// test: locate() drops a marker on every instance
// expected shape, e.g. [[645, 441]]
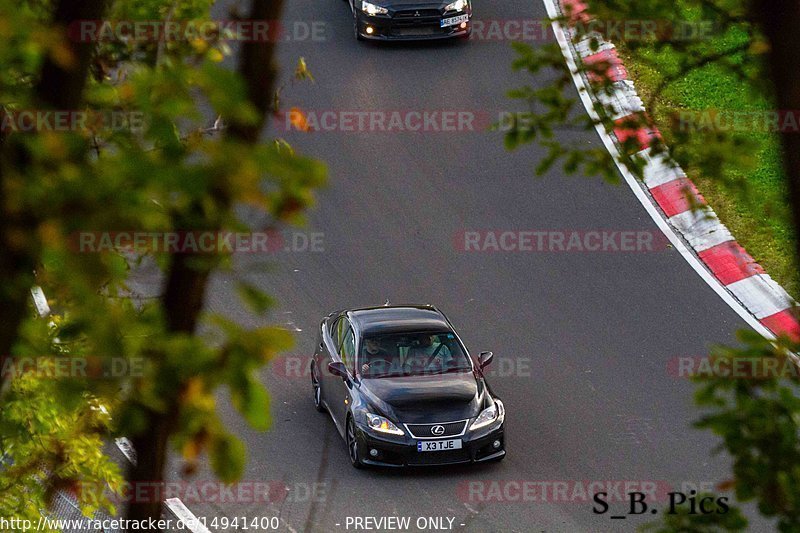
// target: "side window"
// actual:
[[337, 331], [348, 349]]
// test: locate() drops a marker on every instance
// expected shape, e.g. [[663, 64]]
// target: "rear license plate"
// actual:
[[452, 21], [438, 445]]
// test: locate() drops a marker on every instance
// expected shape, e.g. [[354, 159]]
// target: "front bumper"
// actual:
[[402, 450], [408, 26]]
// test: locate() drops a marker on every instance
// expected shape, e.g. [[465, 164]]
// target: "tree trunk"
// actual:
[[186, 283], [780, 22]]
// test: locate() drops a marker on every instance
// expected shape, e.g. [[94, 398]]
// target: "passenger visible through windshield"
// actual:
[[409, 354]]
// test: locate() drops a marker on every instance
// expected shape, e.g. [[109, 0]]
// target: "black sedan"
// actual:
[[411, 19], [403, 390]]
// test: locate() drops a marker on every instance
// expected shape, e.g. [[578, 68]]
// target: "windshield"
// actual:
[[411, 354]]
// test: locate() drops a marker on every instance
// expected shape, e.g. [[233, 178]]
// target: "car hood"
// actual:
[[427, 399]]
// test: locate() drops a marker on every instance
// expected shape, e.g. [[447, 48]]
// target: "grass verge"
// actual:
[[750, 196]]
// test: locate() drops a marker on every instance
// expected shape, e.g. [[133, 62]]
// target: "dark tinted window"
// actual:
[[410, 354]]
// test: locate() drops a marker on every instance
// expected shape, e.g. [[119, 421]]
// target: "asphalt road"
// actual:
[[582, 340]]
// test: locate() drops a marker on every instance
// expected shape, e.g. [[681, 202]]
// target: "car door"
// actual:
[[331, 340], [341, 389]]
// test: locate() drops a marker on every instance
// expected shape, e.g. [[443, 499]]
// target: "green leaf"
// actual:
[[252, 401], [257, 300], [228, 455]]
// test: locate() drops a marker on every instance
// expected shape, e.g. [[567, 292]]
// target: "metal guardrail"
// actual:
[[65, 507]]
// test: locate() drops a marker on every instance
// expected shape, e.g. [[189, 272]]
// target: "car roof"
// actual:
[[399, 318]]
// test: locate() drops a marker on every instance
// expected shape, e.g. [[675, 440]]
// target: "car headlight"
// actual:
[[458, 5], [384, 425], [489, 415], [372, 9]]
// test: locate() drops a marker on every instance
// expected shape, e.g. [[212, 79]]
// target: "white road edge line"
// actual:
[[187, 517], [190, 521], [126, 447], [39, 301], [633, 183]]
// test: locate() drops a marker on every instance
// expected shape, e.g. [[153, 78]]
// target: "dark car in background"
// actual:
[[403, 390], [411, 19]]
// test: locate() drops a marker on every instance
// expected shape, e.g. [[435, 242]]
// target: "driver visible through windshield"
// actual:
[[411, 354]]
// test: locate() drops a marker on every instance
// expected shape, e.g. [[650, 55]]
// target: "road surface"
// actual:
[[582, 340]]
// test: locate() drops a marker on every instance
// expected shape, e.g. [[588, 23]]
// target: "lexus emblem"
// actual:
[[437, 430]]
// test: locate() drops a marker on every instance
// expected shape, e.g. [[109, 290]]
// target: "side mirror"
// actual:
[[485, 358], [337, 368]]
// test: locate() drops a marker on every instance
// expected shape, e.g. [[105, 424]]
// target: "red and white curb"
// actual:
[[667, 194]]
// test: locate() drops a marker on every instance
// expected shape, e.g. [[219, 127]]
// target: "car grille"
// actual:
[[416, 22], [425, 431], [418, 14]]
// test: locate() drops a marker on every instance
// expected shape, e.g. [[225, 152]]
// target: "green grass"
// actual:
[[749, 196]]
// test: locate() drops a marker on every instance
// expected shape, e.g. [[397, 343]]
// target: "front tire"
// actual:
[[352, 444]]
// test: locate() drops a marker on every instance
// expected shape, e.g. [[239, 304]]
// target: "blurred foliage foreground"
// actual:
[[172, 144]]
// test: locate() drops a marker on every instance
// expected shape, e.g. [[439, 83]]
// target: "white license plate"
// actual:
[[452, 21], [438, 445]]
